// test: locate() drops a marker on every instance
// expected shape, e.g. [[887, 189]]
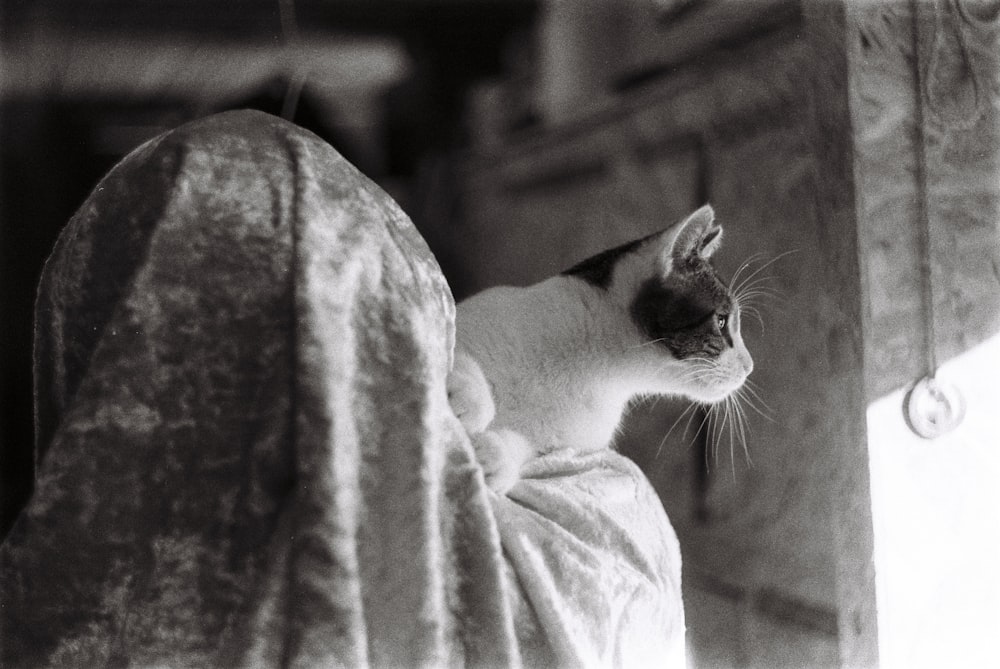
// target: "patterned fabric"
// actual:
[[246, 457]]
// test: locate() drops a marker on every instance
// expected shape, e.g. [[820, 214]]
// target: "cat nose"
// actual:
[[747, 363]]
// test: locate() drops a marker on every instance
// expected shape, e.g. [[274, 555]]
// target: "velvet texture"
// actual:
[[245, 454]]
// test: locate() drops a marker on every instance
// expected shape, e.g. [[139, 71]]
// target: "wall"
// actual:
[[925, 97]]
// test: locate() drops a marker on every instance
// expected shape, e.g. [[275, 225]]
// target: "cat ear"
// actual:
[[697, 236]]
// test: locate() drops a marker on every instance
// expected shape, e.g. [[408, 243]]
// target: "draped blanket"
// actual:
[[245, 455]]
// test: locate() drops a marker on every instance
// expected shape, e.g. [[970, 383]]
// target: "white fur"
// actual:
[[555, 364]]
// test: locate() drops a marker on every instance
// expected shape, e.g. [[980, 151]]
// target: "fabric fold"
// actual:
[[245, 455], [245, 452], [596, 561]]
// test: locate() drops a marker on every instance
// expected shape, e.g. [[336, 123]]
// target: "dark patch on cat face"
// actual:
[[597, 269], [682, 312]]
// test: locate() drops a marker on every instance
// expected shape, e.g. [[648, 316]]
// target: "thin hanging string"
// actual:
[[300, 72], [289, 22], [946, 95], [923, 215]]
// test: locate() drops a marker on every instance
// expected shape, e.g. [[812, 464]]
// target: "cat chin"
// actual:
[[711, 395]]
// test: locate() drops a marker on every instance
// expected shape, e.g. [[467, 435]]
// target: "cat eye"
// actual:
[[722, 320]]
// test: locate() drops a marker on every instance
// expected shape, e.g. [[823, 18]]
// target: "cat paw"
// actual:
[[469, 394], [501, 453]]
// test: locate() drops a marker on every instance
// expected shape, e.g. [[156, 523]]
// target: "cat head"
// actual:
[[686, 322]]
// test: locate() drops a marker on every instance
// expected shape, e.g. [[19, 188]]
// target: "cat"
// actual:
[[554, 365]]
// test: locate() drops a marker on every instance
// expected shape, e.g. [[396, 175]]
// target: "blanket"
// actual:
[[245, 455]]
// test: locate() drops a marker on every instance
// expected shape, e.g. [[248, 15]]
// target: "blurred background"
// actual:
[[851, 149]]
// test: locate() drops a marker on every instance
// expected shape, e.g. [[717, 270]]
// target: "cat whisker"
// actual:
[[752, 404], [754, 312], [735, 432], [754, 289], [757, 281], [718, 434], [746, 302], [702, 426], [701, 361], [758, 292], [757, 410], [727, 420], [751, 389], [743, 267], [704, 379], [752, 293], [698, 370], [744, 425], [694, 369], [713, 446], [688, 410], [703, 372], [646, 343], [760, 269], [687, 425], [717, 428]]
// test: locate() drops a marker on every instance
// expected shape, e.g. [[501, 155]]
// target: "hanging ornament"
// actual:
[[933, 408]]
